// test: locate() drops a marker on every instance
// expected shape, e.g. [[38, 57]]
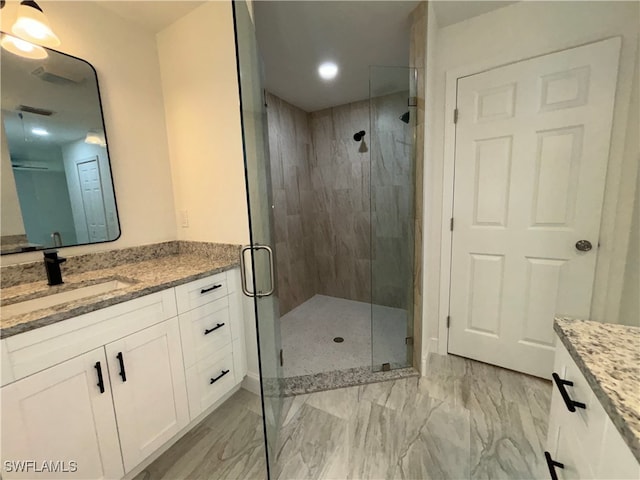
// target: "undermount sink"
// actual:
[[62, 297]]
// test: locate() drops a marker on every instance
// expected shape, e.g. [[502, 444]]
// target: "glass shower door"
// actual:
[[392, 101], [259, 197]]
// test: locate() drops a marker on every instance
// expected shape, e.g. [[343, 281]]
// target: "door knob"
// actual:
[[583, 245]]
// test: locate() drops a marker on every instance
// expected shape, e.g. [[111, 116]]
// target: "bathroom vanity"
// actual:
[[594, 424], [103, 391]]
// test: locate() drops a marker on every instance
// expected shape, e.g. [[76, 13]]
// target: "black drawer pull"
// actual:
[[207, 332], [210, 289], [214, 380], [552, 464], [122, 373], [560, 383], [100, 383]]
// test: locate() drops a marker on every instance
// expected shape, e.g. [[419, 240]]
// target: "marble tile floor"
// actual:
[[308, 331], [463, 420]]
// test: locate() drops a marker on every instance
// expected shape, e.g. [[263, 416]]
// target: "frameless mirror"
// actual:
[[57, 188]]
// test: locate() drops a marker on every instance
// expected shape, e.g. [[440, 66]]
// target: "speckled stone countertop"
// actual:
[[171, 264], [608, 355]]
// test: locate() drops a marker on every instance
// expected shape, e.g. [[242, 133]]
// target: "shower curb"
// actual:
[[351, 377]]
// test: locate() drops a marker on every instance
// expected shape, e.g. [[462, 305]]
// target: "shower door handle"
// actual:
[[243, 272]]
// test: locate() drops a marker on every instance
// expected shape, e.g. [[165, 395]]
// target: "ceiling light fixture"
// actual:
[[41, 132], [22, 48], [32, 25], [95, 137], [328, 70]]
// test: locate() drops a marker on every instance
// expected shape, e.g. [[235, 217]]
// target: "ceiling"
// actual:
[[74, 101], [153, 16], [450, 12], [295, 37]]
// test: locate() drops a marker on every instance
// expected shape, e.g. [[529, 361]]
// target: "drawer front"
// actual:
[[571, 455], [616, 460], [206, 330], [201, 292], [207, 381], [588, 423]]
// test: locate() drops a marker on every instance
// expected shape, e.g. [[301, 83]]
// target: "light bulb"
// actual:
[[22, 48]]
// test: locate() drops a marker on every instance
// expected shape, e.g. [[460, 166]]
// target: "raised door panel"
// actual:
[[149, 392], [61, 415]]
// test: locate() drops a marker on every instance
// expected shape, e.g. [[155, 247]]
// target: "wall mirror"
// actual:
[[57, 188]]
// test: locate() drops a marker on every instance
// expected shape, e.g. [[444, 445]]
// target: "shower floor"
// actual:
[[308, 331]]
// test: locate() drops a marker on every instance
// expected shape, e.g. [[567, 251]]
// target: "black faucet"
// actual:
[[52, 263]]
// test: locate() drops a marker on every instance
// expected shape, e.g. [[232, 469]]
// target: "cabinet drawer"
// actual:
[[207, 381], [205, 330], [570, 454], [587, 423], [200, 292]]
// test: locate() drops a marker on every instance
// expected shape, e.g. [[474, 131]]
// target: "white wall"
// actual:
[[11, 220], [630, 302], [201, 98], [199, 80], [126, 60], [513, 33], [73, 153]]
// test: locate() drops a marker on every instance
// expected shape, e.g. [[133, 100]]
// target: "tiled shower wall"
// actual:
[[289, 146], [321, 183], [341, 206]]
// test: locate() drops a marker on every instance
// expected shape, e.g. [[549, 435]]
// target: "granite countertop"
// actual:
[[608, 355], [145, 277]]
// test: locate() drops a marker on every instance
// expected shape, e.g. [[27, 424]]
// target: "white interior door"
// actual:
[[93, 200], [532, 144]]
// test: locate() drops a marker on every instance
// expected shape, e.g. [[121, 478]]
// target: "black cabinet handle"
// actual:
[[552, 464], [100, 383], [122, 373], [210, 289], [214, 380], [560, 383], [219, 325]]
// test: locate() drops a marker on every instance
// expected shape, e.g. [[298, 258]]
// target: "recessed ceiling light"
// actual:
[[39, 131], [328, 70]]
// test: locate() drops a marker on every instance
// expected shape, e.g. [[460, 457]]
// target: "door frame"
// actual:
[[448, 181]]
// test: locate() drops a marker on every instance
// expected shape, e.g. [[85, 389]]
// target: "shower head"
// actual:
[[405, 117], [358, 136]]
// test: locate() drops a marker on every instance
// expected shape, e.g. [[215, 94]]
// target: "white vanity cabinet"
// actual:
[[61, 414], [108, 389], [584, 443]]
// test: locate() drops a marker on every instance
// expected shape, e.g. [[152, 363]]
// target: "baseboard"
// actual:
[[251, 383]]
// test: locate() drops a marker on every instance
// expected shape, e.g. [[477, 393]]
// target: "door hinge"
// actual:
[[448, 321], [451, 224], [455, 115], [281, 358], [264, 96], [408, 341]]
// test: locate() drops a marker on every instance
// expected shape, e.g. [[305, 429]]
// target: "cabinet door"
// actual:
[[149, 392], [60, 416]]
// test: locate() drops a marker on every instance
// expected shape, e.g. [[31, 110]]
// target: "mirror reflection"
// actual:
[[57, 188]]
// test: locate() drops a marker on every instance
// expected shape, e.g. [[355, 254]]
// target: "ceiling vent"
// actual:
[[51, 74], [35, 110]]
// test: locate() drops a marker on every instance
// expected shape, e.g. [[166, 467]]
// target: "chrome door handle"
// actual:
[[583, 245], [243, 273]]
